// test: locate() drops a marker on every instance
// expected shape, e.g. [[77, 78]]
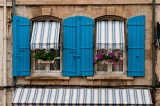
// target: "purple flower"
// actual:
[[116, 57], [94, 60], [102, 51], [111, 60], [114, 64], [100, 56], [119, 53], [120, 60], [97, 56], [110, 53]]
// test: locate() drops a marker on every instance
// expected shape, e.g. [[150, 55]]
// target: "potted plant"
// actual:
[[44, 56], [111, 58]]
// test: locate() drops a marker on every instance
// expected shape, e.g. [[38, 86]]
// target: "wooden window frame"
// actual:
[[47, 71], [109, 18]]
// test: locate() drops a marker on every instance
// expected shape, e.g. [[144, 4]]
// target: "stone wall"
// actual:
[[158, 60], [95, 9], [126, 11]]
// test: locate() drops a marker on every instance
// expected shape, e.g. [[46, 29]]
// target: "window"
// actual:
[[107, 41], [55, 46]]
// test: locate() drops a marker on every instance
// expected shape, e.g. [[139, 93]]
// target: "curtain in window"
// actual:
[[45, 35], [110, 35]]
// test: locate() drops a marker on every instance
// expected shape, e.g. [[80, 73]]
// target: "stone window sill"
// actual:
[[47, 78], [110, 78]]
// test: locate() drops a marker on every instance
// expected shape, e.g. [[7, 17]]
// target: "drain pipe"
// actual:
[[5, 53], [13, 13], [153, 52]]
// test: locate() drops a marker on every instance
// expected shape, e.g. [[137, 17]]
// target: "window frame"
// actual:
[[47, 71], [110, 73]]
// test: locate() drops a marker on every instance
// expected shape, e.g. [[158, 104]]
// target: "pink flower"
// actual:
[[94, 60], [119, 63], [119, 53], [106, 61], [100, 56], [116, 57], [97, 56], [114, 64], [102, 51], [111, 60]]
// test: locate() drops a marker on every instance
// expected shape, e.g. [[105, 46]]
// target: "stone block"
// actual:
[[46, 11], [110, 10]]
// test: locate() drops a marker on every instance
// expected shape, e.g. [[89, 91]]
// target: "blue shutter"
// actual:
[[136, 46], [69, 46], [21, 46], [85, 41], [78, 46]]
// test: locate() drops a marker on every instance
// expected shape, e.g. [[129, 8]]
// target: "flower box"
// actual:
[[46, 62], [104, 62]]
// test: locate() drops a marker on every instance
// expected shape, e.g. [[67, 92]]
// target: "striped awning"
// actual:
[[45, 35], [110, 35], [81, 96]]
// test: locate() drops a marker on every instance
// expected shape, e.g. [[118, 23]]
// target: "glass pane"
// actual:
[[100, 66], [56, 51], [39, 66], [56, 65], [118, 68], [118, 51], [100, 51]]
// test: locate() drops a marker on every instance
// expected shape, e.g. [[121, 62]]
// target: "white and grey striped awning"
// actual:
[[32, 96], [45, 35], [110, 35]]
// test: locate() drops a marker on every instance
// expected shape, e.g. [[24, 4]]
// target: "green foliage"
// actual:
[[44, 55]]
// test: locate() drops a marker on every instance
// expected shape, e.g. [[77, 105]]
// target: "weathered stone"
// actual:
[[46, 11], [110, 10]]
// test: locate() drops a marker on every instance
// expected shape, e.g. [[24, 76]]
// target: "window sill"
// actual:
[[47, 78], [110, 78]]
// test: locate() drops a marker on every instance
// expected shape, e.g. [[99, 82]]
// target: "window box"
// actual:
[[46, 62], [104, 62]]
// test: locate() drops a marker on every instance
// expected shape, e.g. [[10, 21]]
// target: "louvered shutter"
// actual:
[[78, 46], [21, 46], [136, 46]]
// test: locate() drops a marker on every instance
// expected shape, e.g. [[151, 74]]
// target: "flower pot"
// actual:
[[104, 62], [46, 62]]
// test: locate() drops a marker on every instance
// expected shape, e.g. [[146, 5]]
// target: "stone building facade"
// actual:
[[68, 8]]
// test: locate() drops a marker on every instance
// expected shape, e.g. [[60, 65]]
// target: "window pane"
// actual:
[[56, 65], [56, 51], [102, 67], [118, 68], [118, 51], [39, 66], [100, 51]]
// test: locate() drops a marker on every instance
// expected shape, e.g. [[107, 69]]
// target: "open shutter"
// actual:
[[78, 46], [69, 46], [85, 41], [136, 46], [21, 46]]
